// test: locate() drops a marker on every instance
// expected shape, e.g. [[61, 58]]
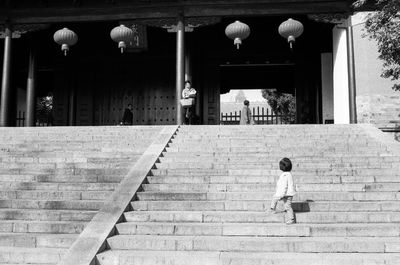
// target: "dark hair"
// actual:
[[130, 104], [246, 102], [188, 82], [285, 164]]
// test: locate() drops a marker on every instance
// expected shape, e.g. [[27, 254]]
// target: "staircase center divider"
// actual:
[[93, 238]]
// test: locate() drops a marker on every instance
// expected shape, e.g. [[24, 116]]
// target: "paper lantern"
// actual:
[[122, 35], [290, 30], [66, 38], [237, 31]]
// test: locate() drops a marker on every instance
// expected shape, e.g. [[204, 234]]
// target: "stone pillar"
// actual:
[[341, 106], [180, 67], [5, 84], [327, 87], [351, 74], [30, 90]]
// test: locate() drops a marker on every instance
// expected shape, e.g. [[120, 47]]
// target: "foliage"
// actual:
[[384, 27], [44, 109], [281, 104], [240, 97]]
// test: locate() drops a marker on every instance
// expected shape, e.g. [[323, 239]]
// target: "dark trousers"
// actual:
[[189, 113]]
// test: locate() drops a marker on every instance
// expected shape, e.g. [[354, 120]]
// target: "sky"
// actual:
[[252, 95]]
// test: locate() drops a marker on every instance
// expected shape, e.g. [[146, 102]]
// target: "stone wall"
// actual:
[[377, 102]]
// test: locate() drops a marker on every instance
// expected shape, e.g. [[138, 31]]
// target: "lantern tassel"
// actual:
[[65, 52]]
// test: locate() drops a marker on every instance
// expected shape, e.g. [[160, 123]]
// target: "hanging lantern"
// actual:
[[66, 38], [237, 31], [122, 35], [290, 30]]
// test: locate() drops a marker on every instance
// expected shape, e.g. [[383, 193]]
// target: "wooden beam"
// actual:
[[190, 8]]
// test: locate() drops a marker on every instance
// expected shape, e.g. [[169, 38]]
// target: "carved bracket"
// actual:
[[332, 18], [190, 23]]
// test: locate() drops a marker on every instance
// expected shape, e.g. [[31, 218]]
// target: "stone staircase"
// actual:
[[205, 200], [53, 180]]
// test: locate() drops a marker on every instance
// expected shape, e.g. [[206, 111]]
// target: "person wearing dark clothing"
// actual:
[[127, 119]]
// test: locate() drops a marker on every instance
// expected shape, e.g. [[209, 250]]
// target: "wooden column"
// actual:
[[180, 67], [5, 84], [30, 89], [351, 74]]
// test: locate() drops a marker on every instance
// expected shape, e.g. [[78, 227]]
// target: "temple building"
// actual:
[[332, 71]]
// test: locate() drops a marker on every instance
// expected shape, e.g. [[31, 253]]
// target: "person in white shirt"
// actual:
[[189, 92], [285, 190]]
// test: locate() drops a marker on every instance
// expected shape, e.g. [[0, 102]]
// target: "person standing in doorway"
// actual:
[[189, 92], [245, 116], [127, 119]]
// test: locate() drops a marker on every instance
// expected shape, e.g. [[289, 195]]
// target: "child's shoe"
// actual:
[[290, 222], [271, 211]]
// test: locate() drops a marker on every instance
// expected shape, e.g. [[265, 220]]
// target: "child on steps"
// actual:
[[285, 190]]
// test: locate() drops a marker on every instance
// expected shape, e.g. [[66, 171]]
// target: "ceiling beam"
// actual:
[[190, 8]]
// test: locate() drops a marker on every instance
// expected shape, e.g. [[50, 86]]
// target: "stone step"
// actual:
[[66, 186], [234, 196], [261, 217], [46, 215], [167, 158], [37, 240], [288, 152], [64, 171], [263, 166], [51, 205], [169, 179], [273, 144], [259, 187], [130, 257], [50, 227], [260, 230], [318, 206], [54, 195], [20, 255], [62, 178], [256, 244], [273, 172]]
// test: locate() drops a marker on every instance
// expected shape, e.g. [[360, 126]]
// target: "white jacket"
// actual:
[[285, 185]]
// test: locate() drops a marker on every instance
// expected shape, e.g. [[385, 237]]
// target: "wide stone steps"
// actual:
[[51, 205], [327, 217], [25, 255], [261, 205], [170, 158], [243, 179], [288, 151], [259, 187], [54, 195], [260, 166], [260, 229], [301, 196], [37, 240], [46, 215], [130, 257], [51, 227], [274, 172], [65, 186], [257, 244]]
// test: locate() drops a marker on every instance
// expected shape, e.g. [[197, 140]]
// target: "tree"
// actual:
[[44, 108], [240, 97], [384, 27], [281, 104]]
